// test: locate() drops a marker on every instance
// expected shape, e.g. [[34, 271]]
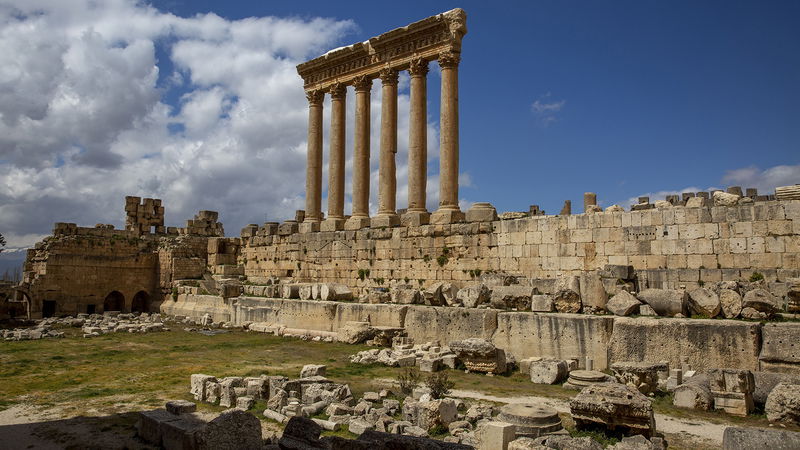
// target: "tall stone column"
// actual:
[[417, 213], [387, 176], [335, 219], [448, 211], [314, 162], [360, 217]]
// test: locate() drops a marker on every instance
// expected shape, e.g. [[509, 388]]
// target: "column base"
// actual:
[[356, 223], [309, 227], [385, 221], [332, 224], [445, 216], [415, 218]]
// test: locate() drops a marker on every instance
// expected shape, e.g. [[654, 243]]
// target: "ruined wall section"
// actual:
[[669, 248], [78, 267]]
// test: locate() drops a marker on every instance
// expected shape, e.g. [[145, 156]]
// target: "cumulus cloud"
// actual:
[[764, 180], [546, 109], [99, 100]]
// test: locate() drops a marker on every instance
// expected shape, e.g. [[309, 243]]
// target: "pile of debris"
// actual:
[[40, 331], [96, 324], [474, 354]]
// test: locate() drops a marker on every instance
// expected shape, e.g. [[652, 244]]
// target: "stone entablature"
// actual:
[[396, 49]]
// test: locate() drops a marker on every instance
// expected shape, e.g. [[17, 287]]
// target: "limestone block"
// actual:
[[355, 332], [706, 343], [480, 355], [473, 295], [180, 407], [405, 295], [212, 391], [692, 396], [542, 303], [313, 370], [567, 301], [198, 385], [778, 349], [704, 302], [696, 202], [548, 371], [732, 390], [231, 429], [512, 297], [613, 405], [592, 292], [760, 300], [665, 302], [227, 396], [436, 412], [496, 435], [481, 212], [623, 304], [738, 438], [730, 303], [335, 292], [644, 377], [149, 424], [725, 199], [783, 404]]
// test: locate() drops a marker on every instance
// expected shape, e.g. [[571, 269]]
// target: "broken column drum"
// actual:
[[411, 48]]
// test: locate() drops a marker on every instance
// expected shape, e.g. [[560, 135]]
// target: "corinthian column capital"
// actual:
[[315, 97], [388, 76], [362, 83], [337, 91], [418, 67], [449, 60]]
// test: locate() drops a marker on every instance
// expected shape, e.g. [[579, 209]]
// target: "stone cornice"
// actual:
[[425, 39]]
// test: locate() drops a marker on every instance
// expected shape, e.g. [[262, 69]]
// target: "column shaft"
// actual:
[[314, 155], [387, 177], [336, 157], [418, 137], [448, 211], [361, 149]]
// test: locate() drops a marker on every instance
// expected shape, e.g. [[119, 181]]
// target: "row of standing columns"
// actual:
[[417, 213]]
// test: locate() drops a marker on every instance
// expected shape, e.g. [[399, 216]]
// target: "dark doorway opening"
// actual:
[[141, 302], [114, 301], [48, 308], [90, 309]]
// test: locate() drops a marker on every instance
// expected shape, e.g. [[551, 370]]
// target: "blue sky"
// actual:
[[198, 103], [654, 95]]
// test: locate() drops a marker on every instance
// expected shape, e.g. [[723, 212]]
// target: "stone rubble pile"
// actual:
[[98, 324], [41, 331]]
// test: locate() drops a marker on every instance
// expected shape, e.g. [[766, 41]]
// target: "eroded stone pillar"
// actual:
[[360, 217], [335, 219], [417, 213], [387, 176], [314, 162], [448, 211]]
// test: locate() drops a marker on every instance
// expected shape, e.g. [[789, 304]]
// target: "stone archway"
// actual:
[[114, 301], [141, 302]]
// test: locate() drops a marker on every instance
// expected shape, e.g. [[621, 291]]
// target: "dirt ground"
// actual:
[[85, 393]]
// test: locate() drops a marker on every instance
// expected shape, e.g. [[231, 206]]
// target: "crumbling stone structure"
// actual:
[[144, 216]]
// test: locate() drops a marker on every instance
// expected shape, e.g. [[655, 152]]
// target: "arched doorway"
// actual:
[[141, 302], [114, 301]]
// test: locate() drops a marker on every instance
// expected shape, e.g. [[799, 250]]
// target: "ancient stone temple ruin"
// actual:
[[410, 48]]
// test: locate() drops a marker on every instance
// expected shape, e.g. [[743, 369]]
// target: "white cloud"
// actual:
[[84, 120], [764, 180], [547, 109]]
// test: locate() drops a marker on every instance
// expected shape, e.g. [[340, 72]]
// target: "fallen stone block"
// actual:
[[180, 406], [313, 370], [613, 405], [548, 371], [704, 302], [783, 404], [233, 428], [732, 390], [623, 304], [480, 355], [531, 420], [738, 438], [496, 435], [198, 385], [567, 301], [665, 302], [148, 427]]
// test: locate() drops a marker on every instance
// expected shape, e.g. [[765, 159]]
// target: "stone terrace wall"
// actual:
[[667, 247], [606, 339]]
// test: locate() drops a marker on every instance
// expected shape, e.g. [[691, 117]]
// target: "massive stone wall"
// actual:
[[670, 247], [700, 344]]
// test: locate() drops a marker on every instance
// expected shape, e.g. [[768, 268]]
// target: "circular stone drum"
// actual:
[[579, 379], [531, 420]]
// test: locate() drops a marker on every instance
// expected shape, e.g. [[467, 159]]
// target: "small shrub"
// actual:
[[756, 276], [426, 258], [408, 379], [441, 260], [174, 294], [439, 384]]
